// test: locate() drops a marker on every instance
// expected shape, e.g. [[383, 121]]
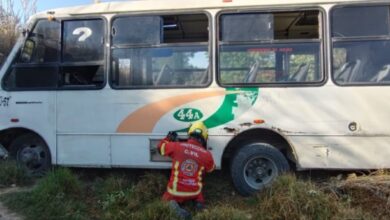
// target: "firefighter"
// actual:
[[190, 160]]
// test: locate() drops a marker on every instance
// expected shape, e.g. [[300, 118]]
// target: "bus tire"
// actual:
[[32, 153], [256, 166]]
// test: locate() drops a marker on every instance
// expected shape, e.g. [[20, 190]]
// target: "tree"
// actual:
[[12, 21]]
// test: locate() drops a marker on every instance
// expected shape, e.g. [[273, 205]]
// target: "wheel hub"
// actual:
[[259, 171], [28, 155], [31, 157]]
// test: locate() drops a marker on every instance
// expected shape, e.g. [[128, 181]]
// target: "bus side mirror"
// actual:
[[25, 32], [27, 51]]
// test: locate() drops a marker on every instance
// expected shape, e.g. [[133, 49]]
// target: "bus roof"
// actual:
[[160, 5]]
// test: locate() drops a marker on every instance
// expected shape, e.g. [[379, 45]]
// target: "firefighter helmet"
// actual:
[[198, 129]]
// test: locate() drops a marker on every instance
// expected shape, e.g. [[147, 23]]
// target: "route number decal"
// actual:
[[188, 115]]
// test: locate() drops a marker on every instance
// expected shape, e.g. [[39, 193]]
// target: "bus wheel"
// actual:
[[32, 153], [256, 166]]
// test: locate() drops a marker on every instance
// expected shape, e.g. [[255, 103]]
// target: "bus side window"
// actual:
[[42, 45], [36, 67], [160, 51], [360, 45], [277, 48], [83, 53]]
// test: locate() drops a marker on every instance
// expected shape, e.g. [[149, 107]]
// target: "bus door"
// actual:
[[82, 117]]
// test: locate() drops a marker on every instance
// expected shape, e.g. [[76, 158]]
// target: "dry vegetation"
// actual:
[[369, 192], [12, 20], [135, 194]]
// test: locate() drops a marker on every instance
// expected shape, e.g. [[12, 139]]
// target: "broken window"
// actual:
[[37, 64], [83, 53], [42, 65]]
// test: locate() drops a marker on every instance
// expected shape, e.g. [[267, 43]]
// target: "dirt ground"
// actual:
[[5, 214]]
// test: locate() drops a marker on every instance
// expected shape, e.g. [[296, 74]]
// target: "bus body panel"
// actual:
[[317, 124], [84, 150], [34, 111], [341, 152]]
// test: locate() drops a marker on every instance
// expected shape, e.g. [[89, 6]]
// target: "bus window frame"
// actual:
[[163, 13], [14, 64], [332, 40], [73, 64], [322, 52], [59, 64]]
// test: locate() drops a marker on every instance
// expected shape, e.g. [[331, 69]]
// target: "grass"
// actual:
[[59, 195], [66, 194], [290, 198], [12, 174], [370, 193]]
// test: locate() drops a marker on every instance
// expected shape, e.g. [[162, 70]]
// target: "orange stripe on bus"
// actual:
[[144, 119]]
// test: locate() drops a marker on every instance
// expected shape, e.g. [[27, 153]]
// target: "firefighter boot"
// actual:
[[200, 206], [180, 212]]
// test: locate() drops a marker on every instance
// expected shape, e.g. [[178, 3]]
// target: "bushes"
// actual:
[[151, 186], [57, 195], [11, 173], [61, 195], [289, 198], [60, 181], [134, 200], [371, 193]]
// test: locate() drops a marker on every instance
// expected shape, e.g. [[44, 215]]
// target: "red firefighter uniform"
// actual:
[[189, 162]]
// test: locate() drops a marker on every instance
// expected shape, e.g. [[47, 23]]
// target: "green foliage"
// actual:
[[11, 173], [59, 181], [152, 185], [111, 184], [156, 210], [134, 200], [289, 198], [57, 196], [60, 195]]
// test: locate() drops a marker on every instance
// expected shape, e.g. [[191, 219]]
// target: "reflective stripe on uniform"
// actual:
[[176, 175], [162, 149], [174, 191], [200, 177], [177, 193]]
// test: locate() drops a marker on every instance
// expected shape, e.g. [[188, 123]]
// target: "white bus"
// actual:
[[281, 84]]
